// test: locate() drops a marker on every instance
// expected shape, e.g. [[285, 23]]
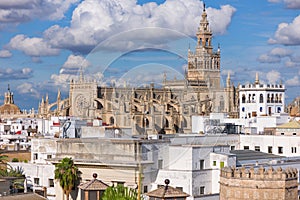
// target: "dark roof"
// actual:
[[28, 196], [94, 184], [167, 192], [253, 155]]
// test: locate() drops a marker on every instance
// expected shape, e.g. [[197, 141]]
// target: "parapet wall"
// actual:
[[260, 184], [260, 174]]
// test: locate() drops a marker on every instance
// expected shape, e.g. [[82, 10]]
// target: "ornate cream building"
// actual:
[[155, 110]]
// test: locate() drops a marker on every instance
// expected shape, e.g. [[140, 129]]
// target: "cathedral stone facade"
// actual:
[[151, 110]]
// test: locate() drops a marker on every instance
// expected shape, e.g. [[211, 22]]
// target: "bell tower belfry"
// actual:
[[204, 64]]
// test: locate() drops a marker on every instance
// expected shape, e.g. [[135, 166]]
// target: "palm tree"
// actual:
[[3, 160], [67, 174], [119, 193]]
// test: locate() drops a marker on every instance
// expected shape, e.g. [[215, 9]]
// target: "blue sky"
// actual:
[[44, 43]]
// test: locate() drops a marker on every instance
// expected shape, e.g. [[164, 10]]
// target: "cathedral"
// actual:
[[151, 110]]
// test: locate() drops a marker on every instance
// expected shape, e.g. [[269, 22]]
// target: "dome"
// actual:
[[9, 109]]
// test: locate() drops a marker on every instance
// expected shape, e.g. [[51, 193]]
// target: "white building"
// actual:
[[261, 99]]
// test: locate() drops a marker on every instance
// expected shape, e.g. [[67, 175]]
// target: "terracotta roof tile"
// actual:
[[94, 184], [167, 192]]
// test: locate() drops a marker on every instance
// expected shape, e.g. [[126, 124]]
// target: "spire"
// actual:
[[8, 88], [256, 78], [203, 6], [204, 34], [228, 80]]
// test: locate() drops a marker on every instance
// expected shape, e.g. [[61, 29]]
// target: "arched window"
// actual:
[[167, 123], [111, 121], [261, 98], [146, 122], [243, 98]]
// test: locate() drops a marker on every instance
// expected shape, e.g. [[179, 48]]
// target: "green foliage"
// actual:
[[25, 161], [12, 172], [119, 193], [15, 160], [3, 160], [67, 174]]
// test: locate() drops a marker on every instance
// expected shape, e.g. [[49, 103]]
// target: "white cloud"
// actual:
[[292, 4], [287, 34], [280, 52], [293, 81], [11, 74], [5, 54], [32, 46], [265, 58], [17, 11], [273, 77], [95, 21], [76, 62], [28, 89]]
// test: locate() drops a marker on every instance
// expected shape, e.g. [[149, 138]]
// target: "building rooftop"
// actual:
[[242, 155], [291, 125], [165, 192], [94, 184], [28, 196]]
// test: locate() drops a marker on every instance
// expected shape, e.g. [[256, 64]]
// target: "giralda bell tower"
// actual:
[[204, 64]]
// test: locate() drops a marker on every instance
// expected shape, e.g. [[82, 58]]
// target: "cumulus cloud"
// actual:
[[275, 55], [273, 77], [94, 21], [266, 58], [287, 34], [70, 71], [18, 11], [32, 46], [74, 63], [291, 4], [293, 81], [28, 89], [10, 74], [5, 54], [280, 52]]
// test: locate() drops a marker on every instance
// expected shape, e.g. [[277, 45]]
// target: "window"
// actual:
[[201, 164], [145, 188], [246, 147], [261, 98], [257, 148], [282, 133], [214, 163], [222, 164], [160, 164], [202, 188], [294, 133], [36, 181], [49, 156], [243, 109], [232, 148], [35, 156], [51, 182], [270, 149], [260, 109], [294, 149], [280, 150]]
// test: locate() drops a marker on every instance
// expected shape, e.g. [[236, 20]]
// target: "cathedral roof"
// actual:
[[9, 109]]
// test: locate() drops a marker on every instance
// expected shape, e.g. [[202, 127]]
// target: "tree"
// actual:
[[3, 161], [67, 174], [119, 193]]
